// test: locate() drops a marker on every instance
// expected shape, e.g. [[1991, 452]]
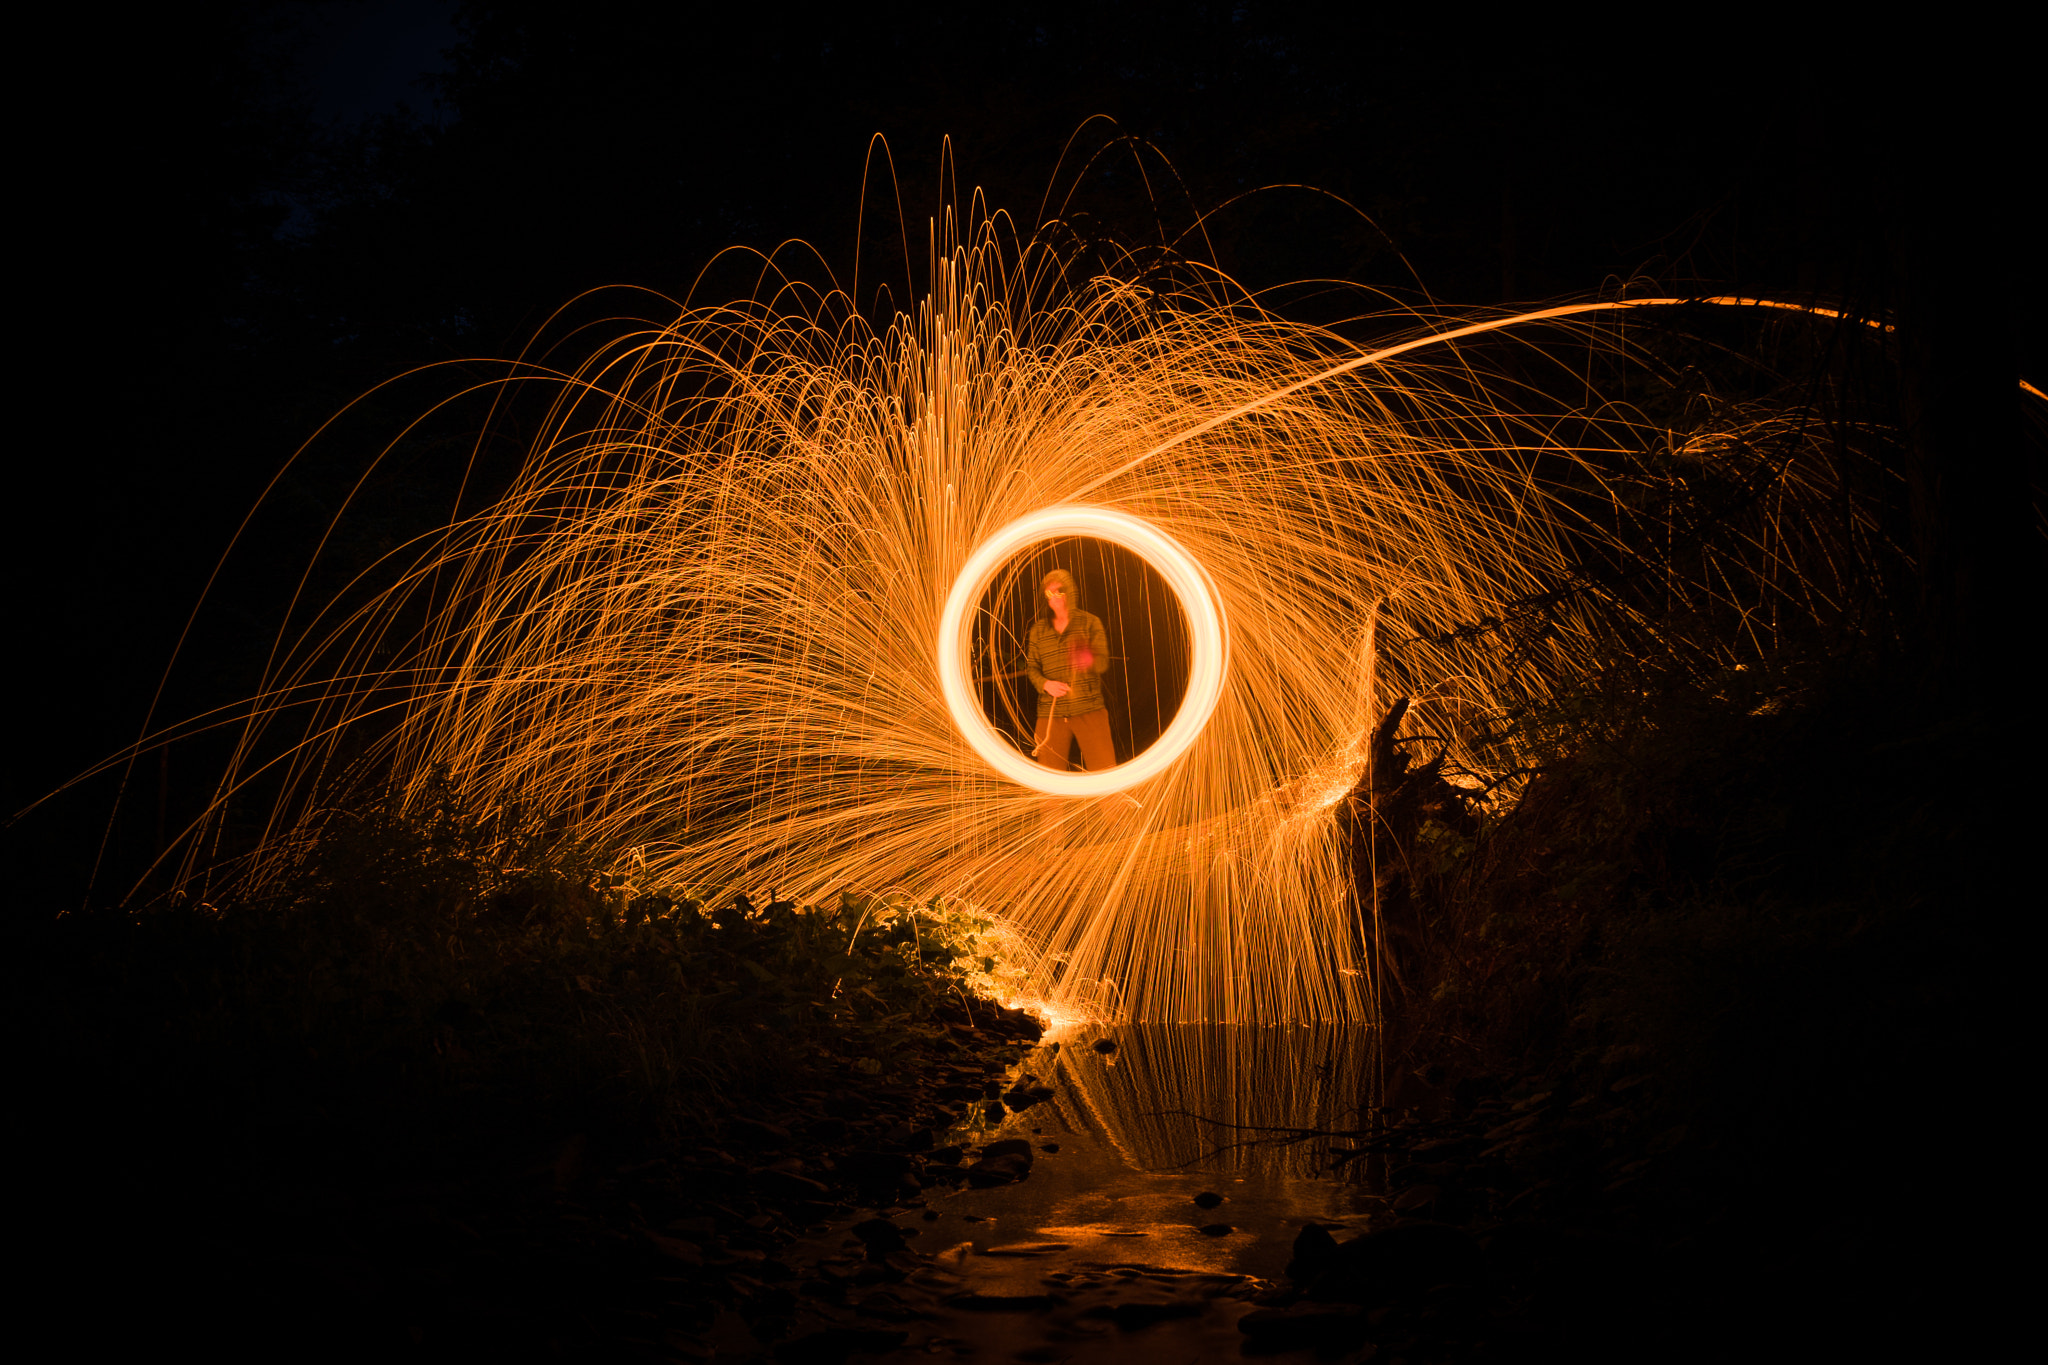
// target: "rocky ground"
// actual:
[[584, 1244], [1511, 1220]]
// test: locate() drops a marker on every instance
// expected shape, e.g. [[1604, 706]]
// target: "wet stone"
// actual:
[[885, 1306], [1002, 1303], [1001, 1163], [873, 1167], [689, 1253], [879, 1236], [1303, 1325], [1314, 1249], [1027, 1249], [762, 1134], [1137, 1314], [833, 1345], [1416, 1197], [1397, 1260]]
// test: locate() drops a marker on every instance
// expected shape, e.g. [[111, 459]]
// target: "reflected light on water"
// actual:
[[1215, 1097]]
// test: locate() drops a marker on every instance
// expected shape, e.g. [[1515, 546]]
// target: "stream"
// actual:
[[1158, 1203]]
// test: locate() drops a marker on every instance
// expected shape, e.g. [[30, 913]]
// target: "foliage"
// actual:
[[1762, 888], [465, 952]]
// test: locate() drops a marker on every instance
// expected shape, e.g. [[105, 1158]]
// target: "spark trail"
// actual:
[[705, 628]]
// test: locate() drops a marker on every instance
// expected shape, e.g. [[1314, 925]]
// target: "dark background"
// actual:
[[246, 216]]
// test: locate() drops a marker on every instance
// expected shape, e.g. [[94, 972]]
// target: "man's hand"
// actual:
[[1056, 689]]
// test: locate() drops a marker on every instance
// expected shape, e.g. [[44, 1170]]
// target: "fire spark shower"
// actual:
[[722, 623]]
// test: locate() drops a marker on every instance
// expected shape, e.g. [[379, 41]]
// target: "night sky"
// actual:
[[248, 218]]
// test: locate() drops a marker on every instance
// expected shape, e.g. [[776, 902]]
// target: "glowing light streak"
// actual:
[[1210, 641], [720, 617]]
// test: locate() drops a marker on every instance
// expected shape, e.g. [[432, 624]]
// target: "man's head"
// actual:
[[1058, 592]]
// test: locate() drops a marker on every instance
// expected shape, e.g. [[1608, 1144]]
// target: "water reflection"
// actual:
[[1215, 1097], [1151, 1153]]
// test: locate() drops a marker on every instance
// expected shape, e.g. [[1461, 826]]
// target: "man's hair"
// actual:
[[1065, 580]]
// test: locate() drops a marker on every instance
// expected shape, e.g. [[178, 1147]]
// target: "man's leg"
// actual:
[[1098, 749], [1050, 742]]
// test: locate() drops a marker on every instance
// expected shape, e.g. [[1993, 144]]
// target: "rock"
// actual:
[[1555, 1260], [833, 1345], [820, 1211], [1416, 1197], [1009, 1147], [1216, 1229], [869, 1167], [1623, 1054], [830, 1128], [1136, 1316], [879, 1236], [886, 1306], [762, 1134], [1105, 1046], [1048, 1147], [1208, 1200], [1027, 1091], [845, 1104], [1398, 1260], [903, 1264], [730, 1336], [1520, 1124], [999, 1170], [1002, 1303], [944, 1156], [1302, 1325], [1017, 1024], [1028, 1249], [676, 1249], [788, 1185], [1470, 1090], [1314, 1248]]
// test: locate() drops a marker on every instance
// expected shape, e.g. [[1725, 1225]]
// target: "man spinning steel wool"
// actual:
[[1067, 654]]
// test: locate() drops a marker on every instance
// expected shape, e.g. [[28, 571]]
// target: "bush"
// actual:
[[441, 958]]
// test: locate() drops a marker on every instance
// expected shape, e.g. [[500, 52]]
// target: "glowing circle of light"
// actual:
[[1208, 632]]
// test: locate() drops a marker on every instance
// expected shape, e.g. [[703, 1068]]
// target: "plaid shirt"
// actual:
[[1046, 655]]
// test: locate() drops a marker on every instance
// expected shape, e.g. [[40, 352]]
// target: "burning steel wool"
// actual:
[[750, 614]]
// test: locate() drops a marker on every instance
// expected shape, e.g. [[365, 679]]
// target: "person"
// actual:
[[1066, 655]]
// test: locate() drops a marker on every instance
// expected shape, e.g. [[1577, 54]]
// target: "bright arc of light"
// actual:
[[1208, 630]]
